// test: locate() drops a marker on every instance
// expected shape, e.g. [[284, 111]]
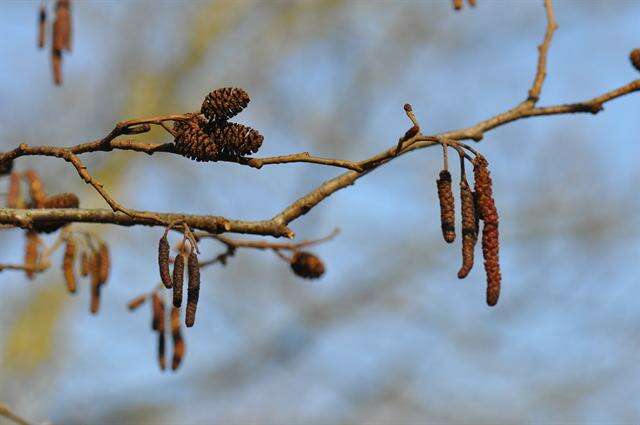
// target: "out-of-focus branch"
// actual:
[[6, 412]]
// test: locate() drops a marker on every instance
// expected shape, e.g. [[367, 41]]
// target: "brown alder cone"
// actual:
[[178, 279], [42, 24], [137, 302], [490, 234], [162, 362], [634, 57], [67, 264], [193, 291], [222, 104], [61, 200], [96, 286], [457, 4], [469, 228], [14, 196], [163, 261], [157, 312], [447, 206], [178, 341], [235, 140], [36, 189], [85, 264], [31, 253], [307, 265], [192, 141]]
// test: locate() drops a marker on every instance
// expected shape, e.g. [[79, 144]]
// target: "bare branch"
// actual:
[[9, 414], [543, 51]]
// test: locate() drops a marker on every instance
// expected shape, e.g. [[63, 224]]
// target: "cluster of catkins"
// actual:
[[158, 325], [210, 136], [175, 280], [476, 206], [61, 34]]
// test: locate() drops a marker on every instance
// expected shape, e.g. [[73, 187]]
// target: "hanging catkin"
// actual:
[[14, 195], [222, 104], [156, 311], [469, 228], [193, 291], [162, 362], [137, 302], [31, 253], [104, 263], [178, 279], [67, 264], [307, 265], [36, 189], [447, 206], [61, 200], [42, 24], [85, 264], [96, 285], [163, 261], [178, 341], [490, 234]]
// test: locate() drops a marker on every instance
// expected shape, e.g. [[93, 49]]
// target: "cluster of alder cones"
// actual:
[[88, 251], [210, 136], [61, 34], [476, 206]]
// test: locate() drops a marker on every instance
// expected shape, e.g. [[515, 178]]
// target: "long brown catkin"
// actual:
[[163, 261], [193, 291], [469, 228], [178, 279], [447, 206], [68, 264]]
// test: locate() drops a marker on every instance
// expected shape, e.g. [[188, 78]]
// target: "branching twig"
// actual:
[[9, 414]]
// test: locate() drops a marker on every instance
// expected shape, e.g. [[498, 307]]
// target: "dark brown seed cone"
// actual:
[[193, 291], [85, 264], [31, 253], [457, 4], [61, 200], [96, 286], [6, 167], [634, 57], [178, 341], [235, 140], [222, 104], [307, 265], [157, 312], [447, 207], [14, 196], [67, 265], [36, 189], [469, 228], [162, 362], [178, 279], [104, 263], [193, 142], [163, 261], [137, 302], [42, 24], [490, 233]]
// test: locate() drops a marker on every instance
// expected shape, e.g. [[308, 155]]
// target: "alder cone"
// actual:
[[193, 291], [67, 265], [235, 140], [469, 228], [634, 56], [193, 142], [178, 279], [163, 261], [61, 200], [222, 104], [447, 206], [307, 265]]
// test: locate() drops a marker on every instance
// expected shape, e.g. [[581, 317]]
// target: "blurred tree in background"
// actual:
[[389, 335]]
